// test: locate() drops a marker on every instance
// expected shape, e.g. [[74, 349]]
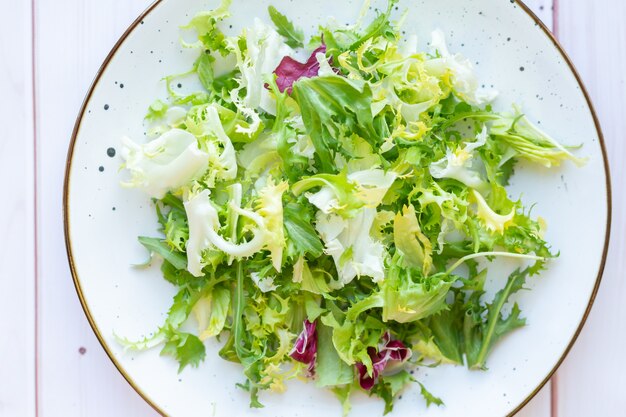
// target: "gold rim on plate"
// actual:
[[68, 242]]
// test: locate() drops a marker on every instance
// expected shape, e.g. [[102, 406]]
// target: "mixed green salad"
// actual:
[[317, 196]]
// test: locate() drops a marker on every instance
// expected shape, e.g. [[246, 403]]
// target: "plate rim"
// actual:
[[66, 214]]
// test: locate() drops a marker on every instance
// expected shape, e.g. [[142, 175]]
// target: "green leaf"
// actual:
[[430, 398], [530, 142], [294, 165], [186, 348], [156, 111], [411, 242], [381, 26], [204, 69], [409, 296], [212, 312], [312, 307], [161, 248], [330, 370], [300, 232], [239, 345], [389, 386], [352, 338], [210, 37], [346, 190], [483, 335], [398, 381], [180, 277], [312, 281], [332, 108], [343, 395], [294, 37]]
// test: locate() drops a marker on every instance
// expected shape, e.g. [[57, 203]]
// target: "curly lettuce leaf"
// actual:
[[530, 142], [164, 164]]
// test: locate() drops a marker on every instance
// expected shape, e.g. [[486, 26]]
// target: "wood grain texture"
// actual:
[[592, 380], [17, 260], [73, 37]]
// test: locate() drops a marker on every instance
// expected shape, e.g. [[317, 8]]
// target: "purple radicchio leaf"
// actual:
[[305, 348], [289, 70], [388, 350]]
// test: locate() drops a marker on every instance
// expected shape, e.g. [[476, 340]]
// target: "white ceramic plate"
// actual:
[[512, 52]]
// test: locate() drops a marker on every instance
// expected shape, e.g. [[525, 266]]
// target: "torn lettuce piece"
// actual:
[[264, 50], [493, 221], [211, 312], [351, 246], [165, 164], [209, 36], [204, 232], [347, 210], [530, 142], [270, 208], [406, 295], [264, 284], [345, 193], [463, 78], [415, 247], [460, 164], [289, 70]]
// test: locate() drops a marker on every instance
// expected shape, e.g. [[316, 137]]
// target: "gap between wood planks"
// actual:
[[554, 382], [33, 29]]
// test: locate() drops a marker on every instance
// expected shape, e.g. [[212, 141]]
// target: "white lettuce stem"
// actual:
[[500, 254]]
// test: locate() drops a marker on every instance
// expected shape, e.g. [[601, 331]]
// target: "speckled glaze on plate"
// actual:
[[512, 52]]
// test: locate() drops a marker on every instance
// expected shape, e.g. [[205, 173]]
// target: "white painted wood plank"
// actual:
[[91, 386], [17, 256], [73, 38], [591, 382]]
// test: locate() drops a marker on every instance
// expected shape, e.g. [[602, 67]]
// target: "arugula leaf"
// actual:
[[181, 277], [239, 342], [389, 386], [482, 334], [294, 37], [331, 107], [161, 248], [381, 26], [430, 398], [302, 235]]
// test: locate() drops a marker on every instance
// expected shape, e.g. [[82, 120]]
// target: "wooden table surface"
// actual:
[[50, 361]]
